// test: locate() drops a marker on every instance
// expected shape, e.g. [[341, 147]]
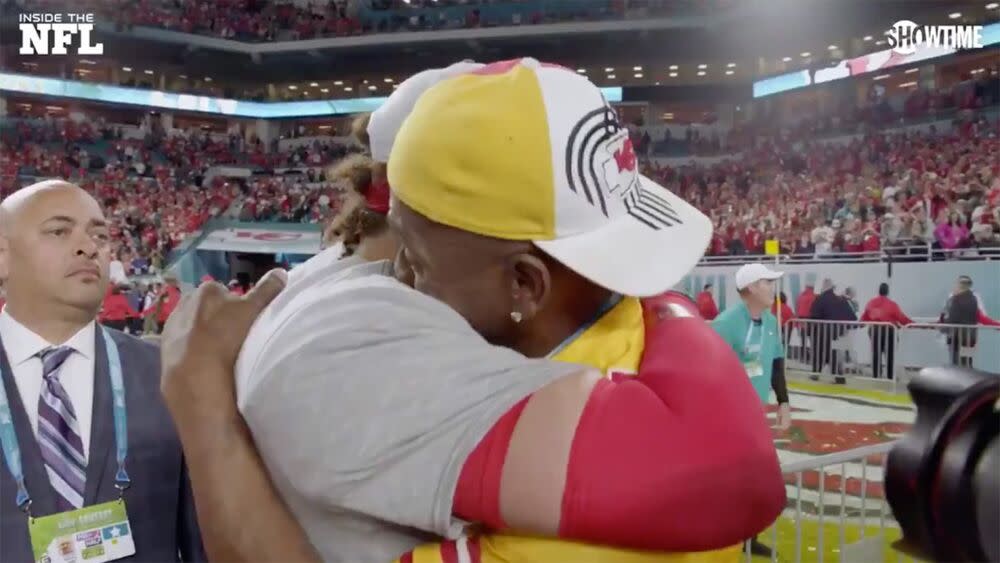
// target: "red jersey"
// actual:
[[885, 310], [116, 308], [706, 305], [805, 302]]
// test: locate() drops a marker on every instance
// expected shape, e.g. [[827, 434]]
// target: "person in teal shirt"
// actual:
[[751, 330]]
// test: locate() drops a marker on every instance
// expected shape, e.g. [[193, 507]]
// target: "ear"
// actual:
[[531, 283]]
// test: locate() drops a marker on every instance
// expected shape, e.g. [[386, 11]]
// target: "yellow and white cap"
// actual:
[[522, 150]]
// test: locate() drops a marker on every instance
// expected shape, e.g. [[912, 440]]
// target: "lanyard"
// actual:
[[746, 343], [615, 299], [12, 451]]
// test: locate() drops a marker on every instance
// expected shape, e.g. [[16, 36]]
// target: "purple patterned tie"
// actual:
[[59, 433]]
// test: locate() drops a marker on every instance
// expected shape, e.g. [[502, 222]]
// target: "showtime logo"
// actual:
[[906, 37], [37, 29]]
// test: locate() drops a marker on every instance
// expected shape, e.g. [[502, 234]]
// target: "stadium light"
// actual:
[[702, 66], [881, 77], [637, 68], [992, 6], [183, 77], [314, 84], [387, 80], [638, 75], [954, 15], [731, 65], [325, 90], [348, 89], [701, 73], [832, 48], [582, 70], [868, 38], [673, 67], [729, 73], [87, 62], [611, 77], [292, 87], [657, 84], [373, 87], [208, 79], [786, 59], [127, 68], [338, 83], [609, 69], [673, 75], [911, 70], [147, 71], [805, 54]]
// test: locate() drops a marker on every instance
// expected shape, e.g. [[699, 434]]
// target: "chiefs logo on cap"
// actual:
[[601, 166]]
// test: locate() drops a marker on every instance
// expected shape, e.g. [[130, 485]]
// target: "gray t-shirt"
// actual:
[[365, 398]]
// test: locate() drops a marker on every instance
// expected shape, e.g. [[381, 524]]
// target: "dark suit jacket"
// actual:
[[159, 502], [829, 306]]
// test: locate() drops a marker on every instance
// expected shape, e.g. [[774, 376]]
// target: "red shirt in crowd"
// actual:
[[787, 313], [171, 296], [706, 305], [881, 309], [116, 308], [805, 302]]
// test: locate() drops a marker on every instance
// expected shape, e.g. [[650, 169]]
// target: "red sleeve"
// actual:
[[477, 495], [653, 457], [651, 465], [983, 319], [900, 316]]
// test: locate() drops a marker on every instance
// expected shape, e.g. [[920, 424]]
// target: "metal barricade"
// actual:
[[836, 511], [939, 344], [841, 349]]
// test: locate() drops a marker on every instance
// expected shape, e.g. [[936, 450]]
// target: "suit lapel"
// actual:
[[102, 429], [36, 479]]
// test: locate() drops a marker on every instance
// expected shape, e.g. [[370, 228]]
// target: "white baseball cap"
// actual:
[[385, 122], [522, 150], [750, 273]]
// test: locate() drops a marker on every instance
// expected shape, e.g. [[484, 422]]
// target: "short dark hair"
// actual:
[[707, 286], [883, 289], [965, 280]]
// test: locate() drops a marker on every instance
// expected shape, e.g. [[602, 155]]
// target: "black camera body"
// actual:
[[943, 477]]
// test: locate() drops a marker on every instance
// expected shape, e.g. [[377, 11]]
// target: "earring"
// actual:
[[516, 316]]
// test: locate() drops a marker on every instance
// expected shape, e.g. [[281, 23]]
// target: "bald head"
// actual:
[[54, 250], [25, 200]]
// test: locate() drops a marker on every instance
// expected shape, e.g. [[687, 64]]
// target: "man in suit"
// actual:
[[828, 306], [55, 254]]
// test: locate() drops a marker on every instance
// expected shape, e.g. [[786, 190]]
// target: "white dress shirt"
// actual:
[[76, 374]]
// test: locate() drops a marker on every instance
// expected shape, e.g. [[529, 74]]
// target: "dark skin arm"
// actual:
[[241, 516]]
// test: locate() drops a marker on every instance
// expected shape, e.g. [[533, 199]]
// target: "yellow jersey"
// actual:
[[613, 343]]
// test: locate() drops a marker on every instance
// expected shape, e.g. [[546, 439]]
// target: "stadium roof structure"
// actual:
[[757, 28]]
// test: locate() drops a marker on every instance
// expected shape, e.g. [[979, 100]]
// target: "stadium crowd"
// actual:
[[158, 191], [917, 194], [881, 191]]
